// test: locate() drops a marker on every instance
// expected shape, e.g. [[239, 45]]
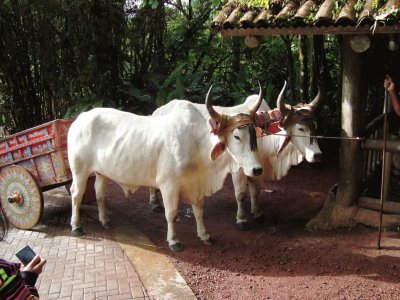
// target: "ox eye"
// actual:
[[301, 129], [236, 137]]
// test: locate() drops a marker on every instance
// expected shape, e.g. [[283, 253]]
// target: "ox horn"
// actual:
[[280, 102], [317, 100], [256, 106], [213, 113]]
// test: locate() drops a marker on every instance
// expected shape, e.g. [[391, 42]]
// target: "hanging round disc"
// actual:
[[21, 197]]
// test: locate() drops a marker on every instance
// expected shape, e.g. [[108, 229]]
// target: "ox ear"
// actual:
[[283, 144], [217, 150]]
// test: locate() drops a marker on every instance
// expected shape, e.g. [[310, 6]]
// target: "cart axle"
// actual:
[[17, 198]]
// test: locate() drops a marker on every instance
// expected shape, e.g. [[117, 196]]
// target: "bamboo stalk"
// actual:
[[325, 12], [232, 19], [304, 11], [264, 18], [224, 14], [287, 12], [247, 20], [347, 15], [390, 12], [366, 16]]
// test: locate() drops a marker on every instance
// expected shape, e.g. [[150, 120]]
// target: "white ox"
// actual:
[[277, 153], [174, 153]]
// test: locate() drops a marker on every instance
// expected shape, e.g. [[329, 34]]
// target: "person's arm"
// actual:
[[391, 90], [19, 282]]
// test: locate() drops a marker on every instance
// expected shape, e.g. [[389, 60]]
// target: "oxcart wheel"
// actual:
[[21, 197]]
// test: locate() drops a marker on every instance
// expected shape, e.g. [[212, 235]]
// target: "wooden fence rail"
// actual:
[[373, 146]]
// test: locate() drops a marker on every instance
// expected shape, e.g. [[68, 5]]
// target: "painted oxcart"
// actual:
[[32, 162]]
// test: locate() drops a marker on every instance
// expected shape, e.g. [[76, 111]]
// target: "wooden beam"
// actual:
[[373, 203], [377, 144], [309, 30]]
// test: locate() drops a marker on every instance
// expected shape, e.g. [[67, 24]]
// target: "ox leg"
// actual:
[[101, 186], [78, 188], [240, 185], [154, 201], [254, 188], [198, 211], [171, 202]]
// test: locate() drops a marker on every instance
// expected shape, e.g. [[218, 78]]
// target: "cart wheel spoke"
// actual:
[[21, 197]]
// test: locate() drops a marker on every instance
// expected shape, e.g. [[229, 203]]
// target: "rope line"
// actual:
[[317, 136]]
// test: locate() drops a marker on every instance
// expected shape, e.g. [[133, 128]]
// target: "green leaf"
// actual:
[[154, 5]]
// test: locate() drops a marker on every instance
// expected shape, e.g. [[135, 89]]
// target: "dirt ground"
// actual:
[[278, 258]]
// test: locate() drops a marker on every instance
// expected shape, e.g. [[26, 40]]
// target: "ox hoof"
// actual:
[[77, 232], [176, 247], [243, 226], [107, 225], [209, 242], [158, 209], [260, 219]]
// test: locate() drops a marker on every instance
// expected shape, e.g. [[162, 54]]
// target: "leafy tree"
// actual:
[[56, 53], [58, 58]]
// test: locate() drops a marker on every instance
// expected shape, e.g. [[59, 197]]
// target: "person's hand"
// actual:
[[389, 85], [36, 265]]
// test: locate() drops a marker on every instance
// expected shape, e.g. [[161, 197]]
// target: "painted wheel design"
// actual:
[[21, 197]]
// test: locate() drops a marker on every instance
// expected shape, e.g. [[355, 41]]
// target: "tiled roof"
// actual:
[[309, 17]]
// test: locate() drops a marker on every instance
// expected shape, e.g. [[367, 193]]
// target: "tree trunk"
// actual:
[[236, 56], [339, 208], [303, 58], [291, 70], [353, 125]]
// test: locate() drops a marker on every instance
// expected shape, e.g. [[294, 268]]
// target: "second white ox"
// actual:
[[174, 153], [295, 142]]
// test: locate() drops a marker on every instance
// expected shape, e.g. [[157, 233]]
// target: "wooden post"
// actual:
[[352, 125]]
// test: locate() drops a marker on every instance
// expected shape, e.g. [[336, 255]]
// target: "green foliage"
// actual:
[[150, 3], [255, 3], [359, 5], [85, 103], [59, 58], [171, 87], [55, 52]]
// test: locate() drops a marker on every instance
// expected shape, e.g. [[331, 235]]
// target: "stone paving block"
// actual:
[[137, 291], [77, 294], [55, 287], [112, 284], [50, 296], [120, 297], [124, 286], [66, 291], [107, 293]]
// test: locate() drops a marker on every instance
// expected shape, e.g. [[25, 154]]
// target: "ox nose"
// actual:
[[257, 171], [318, 156]]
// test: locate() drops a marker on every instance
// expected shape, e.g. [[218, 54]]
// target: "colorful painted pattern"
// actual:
[[45, 169], [37, 150], [17, 180]]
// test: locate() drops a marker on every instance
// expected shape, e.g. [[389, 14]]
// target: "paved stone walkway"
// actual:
[[97, 265]]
